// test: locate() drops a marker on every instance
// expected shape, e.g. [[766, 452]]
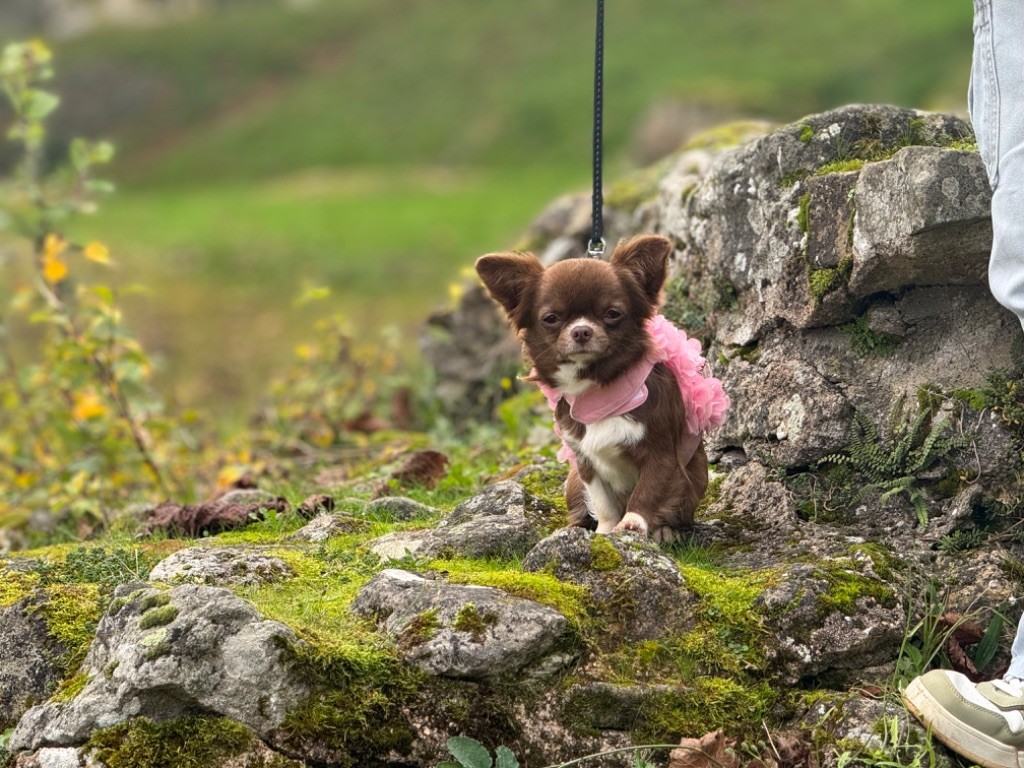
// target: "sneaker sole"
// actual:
[[958, 735]]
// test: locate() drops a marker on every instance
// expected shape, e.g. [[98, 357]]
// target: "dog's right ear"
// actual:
[[510, 278]]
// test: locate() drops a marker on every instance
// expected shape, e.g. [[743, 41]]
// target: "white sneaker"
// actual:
[[983, 722]]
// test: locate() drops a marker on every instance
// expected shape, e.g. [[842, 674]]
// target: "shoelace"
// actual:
[[1013, 686]]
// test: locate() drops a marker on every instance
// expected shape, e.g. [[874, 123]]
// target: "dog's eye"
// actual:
[[612, 314], [550, 319]]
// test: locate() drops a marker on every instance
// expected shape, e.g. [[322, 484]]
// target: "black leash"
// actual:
[[596, 244]]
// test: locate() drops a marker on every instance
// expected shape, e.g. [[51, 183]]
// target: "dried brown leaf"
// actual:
[[314, 505], [367, 424], [209, 517], [424, 468], [960, 660], [965, 631], [712, 750]]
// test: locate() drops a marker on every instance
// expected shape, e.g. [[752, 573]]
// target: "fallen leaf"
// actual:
[[712, 750], [424, 468], [960, 660], [314, 505], [209, 517], [367, 424]]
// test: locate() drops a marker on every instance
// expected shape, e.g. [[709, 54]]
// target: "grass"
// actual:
[[379, 147], [364, 82], [230, 260]]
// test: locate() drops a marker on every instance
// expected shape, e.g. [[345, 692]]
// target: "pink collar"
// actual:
[[622, 395]]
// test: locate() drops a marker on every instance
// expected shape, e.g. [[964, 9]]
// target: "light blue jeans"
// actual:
[[996, 103]]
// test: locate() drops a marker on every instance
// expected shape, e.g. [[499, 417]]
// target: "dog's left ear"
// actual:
[[646, 259]]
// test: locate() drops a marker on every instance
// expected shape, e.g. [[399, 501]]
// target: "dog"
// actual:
[[615, 374]]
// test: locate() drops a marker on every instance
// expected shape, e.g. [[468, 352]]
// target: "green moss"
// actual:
[[883, 563], [470, 620], [71, 613], [603, 555], [418, 631], [547, 483], [155, 644], [868, 342], [847, 587], [116, 605], [792, 178], [822, 282], [189, 742], [703, 705], [841, 166], [16, 585], [71, 687], [154, 600], [158, 617], [356, 705], [729, 635], [806, 132], [630, 193], [727, 135], [568, 599], [803, 215]]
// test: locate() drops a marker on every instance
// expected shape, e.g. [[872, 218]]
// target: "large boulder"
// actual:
[[502, 521], [467, 632], [164, 654], [30, 659], [639, 590]]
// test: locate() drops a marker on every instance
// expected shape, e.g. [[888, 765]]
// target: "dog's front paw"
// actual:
[[632, 523]]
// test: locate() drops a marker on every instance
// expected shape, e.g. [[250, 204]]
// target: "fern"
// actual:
[[893, 465]]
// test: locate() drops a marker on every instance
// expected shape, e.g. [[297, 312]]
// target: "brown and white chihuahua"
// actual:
[[583, 324]]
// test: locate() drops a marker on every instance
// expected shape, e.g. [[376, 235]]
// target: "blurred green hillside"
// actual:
[[379, 146]]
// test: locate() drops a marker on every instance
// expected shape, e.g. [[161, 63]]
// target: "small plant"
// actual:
[[470, 753], [80, 430], [893, 464]]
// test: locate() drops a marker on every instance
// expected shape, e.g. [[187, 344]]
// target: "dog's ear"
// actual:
[[510, 279], [645, 258]]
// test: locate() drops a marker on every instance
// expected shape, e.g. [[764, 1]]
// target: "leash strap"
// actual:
[[596, 244]]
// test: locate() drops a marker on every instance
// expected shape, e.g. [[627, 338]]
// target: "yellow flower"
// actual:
[[87, 406], [53, 246], [54, 269], [304, 351], [506, 383], [98, 252]]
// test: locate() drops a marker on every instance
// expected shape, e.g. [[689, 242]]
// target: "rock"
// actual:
[[640, 590], [832, 621], [30, 656], [607, 706], [324, 526], [399, 545], [220, 565], [922, 219], [163, 654], [396, 508], [504, 520], [466, 632], [52, 757], [860, 726]]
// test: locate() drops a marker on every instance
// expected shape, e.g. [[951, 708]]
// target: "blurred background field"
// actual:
[[378, 146]]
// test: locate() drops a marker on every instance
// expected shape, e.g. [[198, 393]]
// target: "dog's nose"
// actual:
[[581, 334]]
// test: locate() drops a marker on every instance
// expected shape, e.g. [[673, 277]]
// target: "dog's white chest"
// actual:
[[603, 446]]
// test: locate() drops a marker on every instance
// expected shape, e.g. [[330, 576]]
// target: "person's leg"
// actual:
[[985, 721], [1016, 669], [996, 101]]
